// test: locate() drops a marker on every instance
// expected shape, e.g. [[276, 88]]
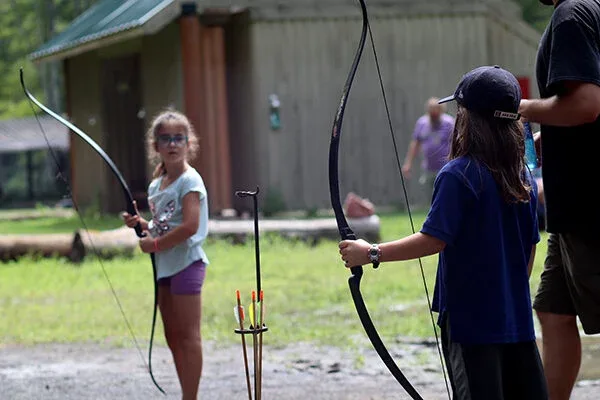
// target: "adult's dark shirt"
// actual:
[[570, 51]]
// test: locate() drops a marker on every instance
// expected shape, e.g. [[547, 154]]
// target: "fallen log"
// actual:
[[105, 244], [73, 246], [124, 242], [12, 247], [310, 230]]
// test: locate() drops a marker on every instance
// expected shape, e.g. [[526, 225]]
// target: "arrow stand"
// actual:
[[257, 325], [257, 348]]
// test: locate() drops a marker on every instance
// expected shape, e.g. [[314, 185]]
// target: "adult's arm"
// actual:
[[579, 105], [413, 149]]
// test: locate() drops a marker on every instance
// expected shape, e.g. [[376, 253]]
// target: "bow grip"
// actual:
[[138, 231], [138, 228], [348, 234]]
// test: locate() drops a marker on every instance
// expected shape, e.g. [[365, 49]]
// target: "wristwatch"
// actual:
[[374, 253]]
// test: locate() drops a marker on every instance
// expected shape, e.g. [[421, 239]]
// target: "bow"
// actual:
[[344, 229], [130, 209]]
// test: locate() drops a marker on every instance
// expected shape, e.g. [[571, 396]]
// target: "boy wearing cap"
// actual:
[[568, 75], [483, 223]]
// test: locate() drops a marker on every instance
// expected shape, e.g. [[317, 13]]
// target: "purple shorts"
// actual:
[[187, 281]]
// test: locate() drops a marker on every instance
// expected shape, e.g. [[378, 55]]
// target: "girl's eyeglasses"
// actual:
[[166, 140]]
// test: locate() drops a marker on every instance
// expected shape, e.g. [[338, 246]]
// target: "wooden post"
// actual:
[[218, 66], [205, 98], [209, 133], [194, 92]]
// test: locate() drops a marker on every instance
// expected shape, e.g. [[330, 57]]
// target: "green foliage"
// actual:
[[273, 202], [24, 26], [19, 35], [312, 212], [536, 14], [13, 103]]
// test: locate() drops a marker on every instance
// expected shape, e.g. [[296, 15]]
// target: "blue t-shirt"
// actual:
[[482, 283], [167, 214]]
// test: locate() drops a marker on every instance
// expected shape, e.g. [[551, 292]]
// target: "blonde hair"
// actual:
[[169, 117]]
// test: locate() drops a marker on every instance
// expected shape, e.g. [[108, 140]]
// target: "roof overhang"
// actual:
[[105, 32], [25, 134]]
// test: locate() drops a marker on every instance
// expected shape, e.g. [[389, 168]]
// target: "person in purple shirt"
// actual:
[[483, 224], [432, 137]]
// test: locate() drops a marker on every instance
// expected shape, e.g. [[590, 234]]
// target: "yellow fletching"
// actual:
[[251, 313]]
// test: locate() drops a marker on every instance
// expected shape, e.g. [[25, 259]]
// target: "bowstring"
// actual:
[[408, 209], [60, 175]]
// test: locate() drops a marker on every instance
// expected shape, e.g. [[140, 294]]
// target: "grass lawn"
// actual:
[[306, 292]]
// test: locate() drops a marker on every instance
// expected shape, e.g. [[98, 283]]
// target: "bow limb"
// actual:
[[344, 229], [130, 208]]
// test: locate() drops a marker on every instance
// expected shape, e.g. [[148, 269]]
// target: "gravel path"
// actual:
[[298, 371]]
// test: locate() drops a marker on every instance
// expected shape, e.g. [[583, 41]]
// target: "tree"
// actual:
[[24, 26], [536, 14]]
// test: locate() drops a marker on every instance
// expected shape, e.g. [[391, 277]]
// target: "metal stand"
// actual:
[[256, 328]]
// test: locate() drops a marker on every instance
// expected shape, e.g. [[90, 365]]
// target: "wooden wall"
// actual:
[[303, 54], [161, 87], [88, 172], [305, 62]]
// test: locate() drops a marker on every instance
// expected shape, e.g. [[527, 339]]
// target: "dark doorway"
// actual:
[[124, 128], [238, 49]]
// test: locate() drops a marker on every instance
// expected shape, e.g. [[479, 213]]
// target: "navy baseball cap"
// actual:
[[489, 90]]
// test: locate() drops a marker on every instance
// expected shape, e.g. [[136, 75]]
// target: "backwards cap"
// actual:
[[489, 90]]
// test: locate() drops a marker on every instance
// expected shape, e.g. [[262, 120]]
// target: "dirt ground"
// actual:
[[297, 371]]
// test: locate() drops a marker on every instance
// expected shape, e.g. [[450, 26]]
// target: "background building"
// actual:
[[220, 61]]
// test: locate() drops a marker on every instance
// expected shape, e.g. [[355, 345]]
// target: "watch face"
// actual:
[[373, 253]]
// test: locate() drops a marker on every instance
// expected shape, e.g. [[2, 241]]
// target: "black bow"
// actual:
[[128, 200], [344, 229]]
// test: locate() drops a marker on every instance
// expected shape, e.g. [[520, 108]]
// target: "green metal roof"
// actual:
[[104, 19]]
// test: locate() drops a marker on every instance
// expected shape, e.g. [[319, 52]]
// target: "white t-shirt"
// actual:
[[167, 214]]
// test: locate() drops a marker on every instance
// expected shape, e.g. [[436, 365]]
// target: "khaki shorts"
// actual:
[[570, 282]]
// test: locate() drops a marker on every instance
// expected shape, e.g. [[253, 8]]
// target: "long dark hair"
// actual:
[[497, 143]]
